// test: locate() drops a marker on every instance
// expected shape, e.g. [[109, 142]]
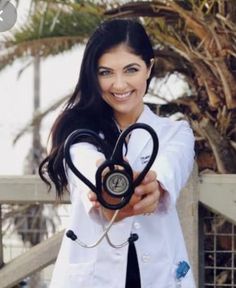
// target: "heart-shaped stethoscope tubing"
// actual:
[[110, 181], [118, 182]]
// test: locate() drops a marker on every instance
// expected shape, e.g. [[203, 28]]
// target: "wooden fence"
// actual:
[[218, 192]]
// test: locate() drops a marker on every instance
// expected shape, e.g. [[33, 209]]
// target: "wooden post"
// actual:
[[188, 212], [1, 244]]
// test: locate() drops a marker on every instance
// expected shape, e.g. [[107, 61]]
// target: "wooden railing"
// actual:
[[218, 192], [27, 190], [33, 260]]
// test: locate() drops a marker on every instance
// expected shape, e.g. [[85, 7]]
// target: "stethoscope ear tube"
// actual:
[[117, 154], [155, 148], [118, 180], [75, 137], [119, 183]]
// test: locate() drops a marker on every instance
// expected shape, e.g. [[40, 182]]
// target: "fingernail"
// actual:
[[138, 191], [146, 179]]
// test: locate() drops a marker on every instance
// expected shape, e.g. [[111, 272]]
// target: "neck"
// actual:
[[124, 121], [122, 125]]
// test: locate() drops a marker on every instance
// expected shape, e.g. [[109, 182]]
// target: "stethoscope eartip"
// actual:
[[133, 237], [70, 234]]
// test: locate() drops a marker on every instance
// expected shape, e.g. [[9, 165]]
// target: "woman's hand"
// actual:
[[144, 200], [150, 192]]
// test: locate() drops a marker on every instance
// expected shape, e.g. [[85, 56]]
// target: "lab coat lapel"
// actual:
[[139, 138]]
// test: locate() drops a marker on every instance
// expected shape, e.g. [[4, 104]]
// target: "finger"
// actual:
[[107, 169], [125, 159], [147, 210], [150, 209], [150, 176], [93, 198], [134, 199], [99, 162], [150, 199], [96, 204], [145, 189]]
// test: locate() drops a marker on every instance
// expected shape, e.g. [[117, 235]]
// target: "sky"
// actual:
[[59, 76]]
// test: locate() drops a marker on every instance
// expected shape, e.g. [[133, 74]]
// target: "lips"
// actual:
[[122, 96]]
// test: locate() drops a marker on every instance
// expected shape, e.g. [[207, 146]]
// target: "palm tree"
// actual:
[[45, 38], [53, 27], [194, 37], [197, 39]]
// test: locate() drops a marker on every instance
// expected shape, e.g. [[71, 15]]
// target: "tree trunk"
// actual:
[[36, 157]]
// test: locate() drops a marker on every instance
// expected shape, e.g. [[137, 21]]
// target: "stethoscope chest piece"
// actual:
[[114, 177], [117, 183], [114, 183]]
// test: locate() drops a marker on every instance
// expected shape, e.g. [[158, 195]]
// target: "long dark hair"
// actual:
[[86, 108]]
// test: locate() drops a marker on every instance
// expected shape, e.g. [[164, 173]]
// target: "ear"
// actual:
[[150, 67]]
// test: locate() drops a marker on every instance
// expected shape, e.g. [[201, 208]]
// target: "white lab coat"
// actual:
[[160, 246]]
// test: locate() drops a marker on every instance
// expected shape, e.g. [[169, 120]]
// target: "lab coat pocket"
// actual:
[[80, 275]]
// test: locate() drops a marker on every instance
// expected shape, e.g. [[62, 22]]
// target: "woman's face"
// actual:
[[122, 77]]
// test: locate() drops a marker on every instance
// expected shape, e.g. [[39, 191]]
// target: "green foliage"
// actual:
[[77, 21]]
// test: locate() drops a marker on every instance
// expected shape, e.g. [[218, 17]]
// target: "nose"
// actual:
[[119, 83]]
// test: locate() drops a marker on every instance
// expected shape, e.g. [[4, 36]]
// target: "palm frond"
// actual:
[[51, 32]]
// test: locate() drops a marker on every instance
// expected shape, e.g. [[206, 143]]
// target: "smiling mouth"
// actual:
[[122, 95]]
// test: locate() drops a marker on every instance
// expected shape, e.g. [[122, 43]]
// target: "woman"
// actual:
[[115, 74]]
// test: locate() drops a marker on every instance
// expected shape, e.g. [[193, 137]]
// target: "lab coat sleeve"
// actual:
[[84, 157], [174, 161]]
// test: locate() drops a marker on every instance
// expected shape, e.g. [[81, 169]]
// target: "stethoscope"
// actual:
[[114, 176]]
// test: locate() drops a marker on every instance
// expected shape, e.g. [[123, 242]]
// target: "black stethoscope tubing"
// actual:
[[116, 159], [73, 138]]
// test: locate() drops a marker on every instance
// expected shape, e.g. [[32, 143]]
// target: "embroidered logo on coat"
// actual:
[[145, 159]]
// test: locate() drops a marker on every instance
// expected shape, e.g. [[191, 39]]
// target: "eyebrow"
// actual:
[[127, 66]]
